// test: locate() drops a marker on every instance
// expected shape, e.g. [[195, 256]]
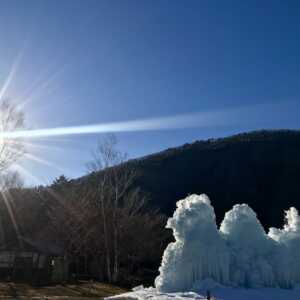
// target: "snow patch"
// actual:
[[217, 294]]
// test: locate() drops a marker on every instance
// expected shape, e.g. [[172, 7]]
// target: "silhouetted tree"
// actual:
[[11, 119], [119, 202]]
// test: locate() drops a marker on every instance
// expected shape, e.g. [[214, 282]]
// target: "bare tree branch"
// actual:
[[11, 119]]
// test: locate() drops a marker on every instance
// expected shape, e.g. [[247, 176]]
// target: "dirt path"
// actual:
[[82, 290]]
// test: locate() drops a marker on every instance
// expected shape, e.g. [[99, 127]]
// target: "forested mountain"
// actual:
[[261, 168]]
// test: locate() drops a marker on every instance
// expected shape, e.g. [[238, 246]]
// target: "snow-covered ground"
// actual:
[[223, 293]]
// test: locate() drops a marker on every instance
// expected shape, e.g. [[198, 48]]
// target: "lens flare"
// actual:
[[170, 122]]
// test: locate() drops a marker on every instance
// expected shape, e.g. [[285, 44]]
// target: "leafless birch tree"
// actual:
[[117, 199], [11, 119]]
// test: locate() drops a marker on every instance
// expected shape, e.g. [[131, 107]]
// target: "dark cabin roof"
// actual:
[[29, 245]]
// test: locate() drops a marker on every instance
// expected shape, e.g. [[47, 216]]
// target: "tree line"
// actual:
[[107, 221]]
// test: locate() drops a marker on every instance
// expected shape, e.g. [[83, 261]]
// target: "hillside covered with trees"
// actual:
[[261, 168]]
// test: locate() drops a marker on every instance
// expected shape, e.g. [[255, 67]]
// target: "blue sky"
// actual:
[[87, 62]]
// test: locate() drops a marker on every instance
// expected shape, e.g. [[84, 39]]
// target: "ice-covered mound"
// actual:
[[255, 258], [289, 239], [199, 251], [240, 254]]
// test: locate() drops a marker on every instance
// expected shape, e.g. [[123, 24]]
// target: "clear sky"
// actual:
[[88, 62]]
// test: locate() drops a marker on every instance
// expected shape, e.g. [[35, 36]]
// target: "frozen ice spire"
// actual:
[[198, 252]]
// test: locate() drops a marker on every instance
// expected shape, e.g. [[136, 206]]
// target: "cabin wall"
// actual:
[[31, 266], [59, 269]]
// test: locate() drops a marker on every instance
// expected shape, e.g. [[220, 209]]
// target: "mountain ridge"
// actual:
[[256, 167]]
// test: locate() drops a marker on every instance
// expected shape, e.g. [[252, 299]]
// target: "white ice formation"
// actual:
[[239, 254]]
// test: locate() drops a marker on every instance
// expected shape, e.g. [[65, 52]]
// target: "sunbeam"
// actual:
[[170, 122], [44, 162], [23, 171], [11, 74], [42, 87], [38, 146], [7, 201]]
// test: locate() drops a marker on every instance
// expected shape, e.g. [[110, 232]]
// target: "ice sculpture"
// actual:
[[239, 254], [198, 252]]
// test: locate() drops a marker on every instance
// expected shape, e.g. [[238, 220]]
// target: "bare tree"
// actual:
[[116, 197], [104, 217], [10, 180], [11, 119]]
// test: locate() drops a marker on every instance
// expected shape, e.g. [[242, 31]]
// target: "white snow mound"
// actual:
[[217, 294]]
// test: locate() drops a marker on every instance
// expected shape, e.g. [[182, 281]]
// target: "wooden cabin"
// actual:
[[32, 261]]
